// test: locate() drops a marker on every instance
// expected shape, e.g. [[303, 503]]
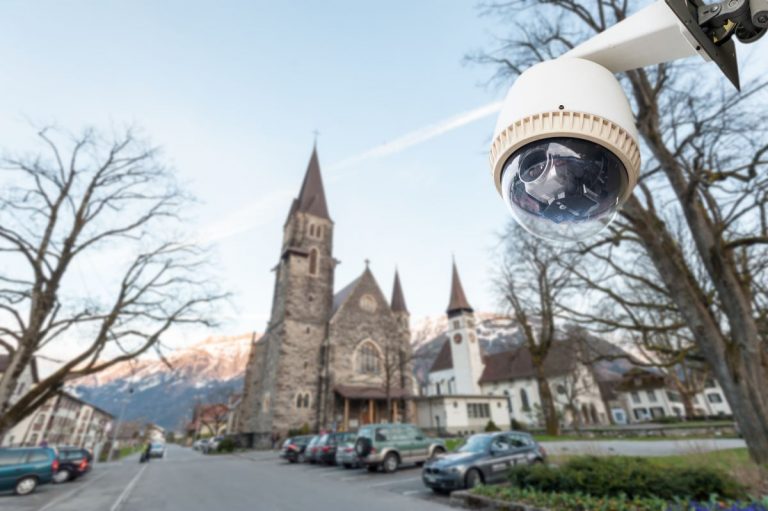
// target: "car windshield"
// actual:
[[157, 446], [476, 443]]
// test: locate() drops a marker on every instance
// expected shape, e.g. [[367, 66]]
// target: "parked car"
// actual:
[[390, 445], [294, 447], [310, 450], [198, 444], [24, 469], [345, 452], [314, 450], [73, 463], [156, 450], [212, 444], [328, 448], [484, 459]]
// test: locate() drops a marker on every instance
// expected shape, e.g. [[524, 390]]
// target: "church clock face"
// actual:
[[368, 303], [457, 338]]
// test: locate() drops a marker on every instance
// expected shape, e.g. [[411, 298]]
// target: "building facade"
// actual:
[[327, 360], [454, 401], [63, 420]]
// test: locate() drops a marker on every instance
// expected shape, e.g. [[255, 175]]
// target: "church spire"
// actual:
[[458, 302], [398, 300], [312, 196]]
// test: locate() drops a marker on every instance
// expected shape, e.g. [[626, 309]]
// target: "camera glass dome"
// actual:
[[563, 189]]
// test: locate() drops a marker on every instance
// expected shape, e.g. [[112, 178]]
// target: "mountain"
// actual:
[[208, 371]]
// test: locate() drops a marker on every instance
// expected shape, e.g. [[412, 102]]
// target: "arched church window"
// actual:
[[313, 261], [524, 399], [306, 400], [311, 229], [299, 400], [368, 359], [319, 232]]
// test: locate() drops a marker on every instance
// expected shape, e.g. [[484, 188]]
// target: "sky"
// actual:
[[234, 91]]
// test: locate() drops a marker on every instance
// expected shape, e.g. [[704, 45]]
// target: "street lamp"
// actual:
[[565, 154]]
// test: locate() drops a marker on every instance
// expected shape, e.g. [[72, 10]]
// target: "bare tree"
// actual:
[[59, 208], [709, 150], [532, 286]]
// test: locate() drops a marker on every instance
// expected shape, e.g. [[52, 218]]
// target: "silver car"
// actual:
[[484, 459], [346, 455]]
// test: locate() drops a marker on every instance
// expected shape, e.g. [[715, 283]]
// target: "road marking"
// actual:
[[127, 489], [415, 492], [395, 481], [67, 495]]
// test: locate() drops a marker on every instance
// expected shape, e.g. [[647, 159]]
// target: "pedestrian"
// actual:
[[146, 452]]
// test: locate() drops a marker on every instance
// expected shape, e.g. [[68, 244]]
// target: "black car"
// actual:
[[483, 459], [73, 463], [328, 445], [294, 448]]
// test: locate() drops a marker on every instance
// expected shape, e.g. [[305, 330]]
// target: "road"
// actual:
[[189, 481]]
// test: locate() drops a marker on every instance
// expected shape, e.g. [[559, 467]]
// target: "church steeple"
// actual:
[[458, 301], [312, 195], [398, 300]]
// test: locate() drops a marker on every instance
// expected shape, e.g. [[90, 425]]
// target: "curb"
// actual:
[[467, 500]]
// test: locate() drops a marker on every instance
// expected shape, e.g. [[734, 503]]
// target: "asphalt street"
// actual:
[[189, 481]]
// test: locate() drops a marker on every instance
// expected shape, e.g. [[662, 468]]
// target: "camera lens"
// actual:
[[564, 189]]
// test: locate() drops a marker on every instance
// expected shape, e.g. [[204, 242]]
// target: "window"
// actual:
[[478, 410], [319, 232], [673, 396], [524, 400], [636, 398], [306, 400], [710, 383], [715, 398], [311, 229], [368, 360], [641, 414], [657, 412], [313, 261], [299, 400], [437, 388], [651, 396], [12, 457], [456, 324]]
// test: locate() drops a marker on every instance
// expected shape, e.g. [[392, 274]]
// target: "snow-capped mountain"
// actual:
[[208, 371]]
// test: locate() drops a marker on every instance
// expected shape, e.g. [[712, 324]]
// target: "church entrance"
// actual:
[[358, 406]]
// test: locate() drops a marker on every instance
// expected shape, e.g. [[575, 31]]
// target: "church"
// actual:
[[327, 360]]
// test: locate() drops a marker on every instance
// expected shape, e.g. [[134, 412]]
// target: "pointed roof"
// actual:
[[444, 359], [458, 302], [398, 300], [312, 196]]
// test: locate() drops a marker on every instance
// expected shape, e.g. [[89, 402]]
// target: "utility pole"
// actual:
[[119, 422]]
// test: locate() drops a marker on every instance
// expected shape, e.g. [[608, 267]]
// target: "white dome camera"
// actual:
[[565, 153]]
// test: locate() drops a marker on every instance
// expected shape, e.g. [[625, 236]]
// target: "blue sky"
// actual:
[[233, 91]]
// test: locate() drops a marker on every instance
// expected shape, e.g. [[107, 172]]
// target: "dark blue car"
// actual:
[[23, 469]]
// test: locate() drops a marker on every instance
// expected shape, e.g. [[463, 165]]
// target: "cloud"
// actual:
[[261, 209], [419, 136]]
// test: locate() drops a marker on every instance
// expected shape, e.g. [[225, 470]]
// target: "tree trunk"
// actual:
[[551, 424]]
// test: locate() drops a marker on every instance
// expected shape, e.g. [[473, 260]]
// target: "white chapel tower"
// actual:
[[465, 349]]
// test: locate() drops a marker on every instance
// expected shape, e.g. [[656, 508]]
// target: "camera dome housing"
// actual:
[[565, 155]]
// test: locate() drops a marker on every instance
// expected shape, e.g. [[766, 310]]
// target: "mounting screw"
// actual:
[[763, 18]]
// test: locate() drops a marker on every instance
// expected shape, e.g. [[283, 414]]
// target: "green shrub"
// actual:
[[633, 477], [226, 445], [518, 426], [491, 427]]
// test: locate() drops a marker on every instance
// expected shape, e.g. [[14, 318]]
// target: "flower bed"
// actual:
[[509, 498]]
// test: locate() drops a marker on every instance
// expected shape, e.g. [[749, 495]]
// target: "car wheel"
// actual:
[[473, 478], [391, 462], [25, 486], [441, 491], [347, 465], [373, 468], [62, 476]]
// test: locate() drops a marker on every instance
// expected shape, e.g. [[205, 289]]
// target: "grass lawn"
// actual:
[[584, 438]]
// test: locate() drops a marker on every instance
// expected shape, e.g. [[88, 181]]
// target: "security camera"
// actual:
[[565, 153]]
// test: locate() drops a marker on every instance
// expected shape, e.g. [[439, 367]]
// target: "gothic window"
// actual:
[[312, 230], [368, 359], [299, 401], [306, 400], [319, 232], [524, 399], [313, 261]]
